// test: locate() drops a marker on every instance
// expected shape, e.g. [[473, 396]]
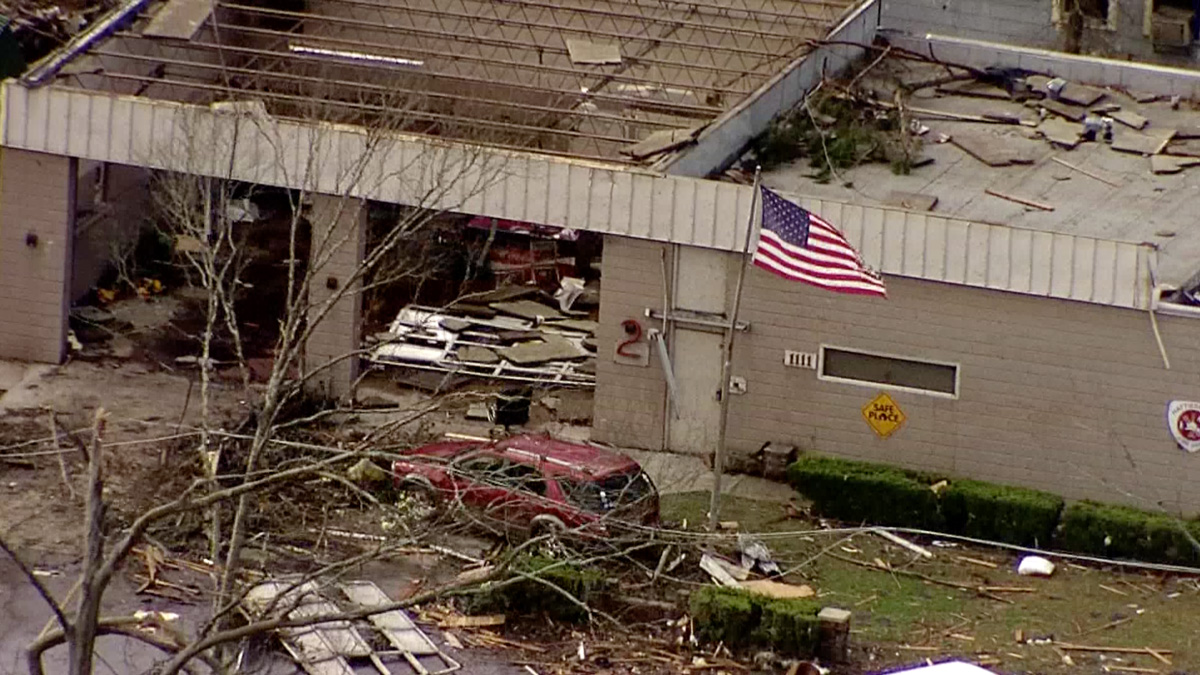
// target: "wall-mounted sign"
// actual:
[[883, 415], [1183, 417]]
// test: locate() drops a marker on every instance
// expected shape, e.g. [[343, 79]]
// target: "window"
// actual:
[[524, 477], [889, 372], [1096, 13], [483, 468], [607, 493]]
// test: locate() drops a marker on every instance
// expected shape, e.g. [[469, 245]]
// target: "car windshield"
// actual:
[[607, 493]]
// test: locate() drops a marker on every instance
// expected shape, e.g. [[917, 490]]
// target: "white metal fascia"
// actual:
[[526, 186]]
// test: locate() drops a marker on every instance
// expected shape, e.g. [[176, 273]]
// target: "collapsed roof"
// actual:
[[995, 147], [583, 78]]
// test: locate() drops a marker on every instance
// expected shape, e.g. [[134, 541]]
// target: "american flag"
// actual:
[[800, 246]]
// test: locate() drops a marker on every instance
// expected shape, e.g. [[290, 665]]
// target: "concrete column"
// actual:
[[37, 223], [339, 233]]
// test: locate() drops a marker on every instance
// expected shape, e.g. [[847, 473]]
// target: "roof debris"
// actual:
[[522, 340]]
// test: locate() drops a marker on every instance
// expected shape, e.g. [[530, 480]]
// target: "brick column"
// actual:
[[37, 214], [339, 235]]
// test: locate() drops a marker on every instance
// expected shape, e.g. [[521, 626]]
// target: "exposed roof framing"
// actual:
[[493, 71]]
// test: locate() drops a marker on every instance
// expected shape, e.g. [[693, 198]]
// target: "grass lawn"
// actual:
[[900, 619]]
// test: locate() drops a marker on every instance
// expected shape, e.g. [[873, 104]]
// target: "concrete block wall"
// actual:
[[1149, 78], [339, 234], [1019, 22], [629, 401], [36, 200], [1057, 395]]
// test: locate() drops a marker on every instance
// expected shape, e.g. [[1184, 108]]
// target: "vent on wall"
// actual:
[[807, 360], [1171, 28]]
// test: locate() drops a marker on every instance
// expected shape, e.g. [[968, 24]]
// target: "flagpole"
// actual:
[[714, 506]]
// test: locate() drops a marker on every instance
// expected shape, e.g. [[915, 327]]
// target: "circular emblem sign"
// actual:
[[1183, 417]]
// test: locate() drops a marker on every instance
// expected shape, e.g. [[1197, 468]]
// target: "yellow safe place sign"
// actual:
[[884, 416]]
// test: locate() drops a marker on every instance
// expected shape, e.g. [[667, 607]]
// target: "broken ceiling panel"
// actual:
[[585, 52]]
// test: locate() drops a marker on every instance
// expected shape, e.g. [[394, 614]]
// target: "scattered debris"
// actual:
[[756, 554], [1149, 143], [326, 647], [1035, 566], [919, 550], [1020, 200], [776, 589], [1063, 110], [1129, 118], [717, 571], [1161, 164], [976, 561], [477, 621], [1113, 590], [1160, 654], [536, 344], [1060, 132], [1089, 174], [912, 201]]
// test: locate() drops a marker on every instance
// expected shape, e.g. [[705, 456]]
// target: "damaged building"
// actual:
[[1038, 282]]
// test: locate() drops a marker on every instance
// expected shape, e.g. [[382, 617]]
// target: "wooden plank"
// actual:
[[913, 201]]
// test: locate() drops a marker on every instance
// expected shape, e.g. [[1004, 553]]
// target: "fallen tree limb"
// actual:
[[923, 577]]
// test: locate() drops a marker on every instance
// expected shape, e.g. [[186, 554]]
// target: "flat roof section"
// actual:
[[1032, 173]]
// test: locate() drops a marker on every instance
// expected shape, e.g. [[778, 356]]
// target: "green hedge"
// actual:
[[740, 618], [860, 492], [1000, 512], [531, 597], [1122, 532]]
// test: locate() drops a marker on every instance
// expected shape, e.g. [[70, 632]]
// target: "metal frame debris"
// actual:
[[334, 647]]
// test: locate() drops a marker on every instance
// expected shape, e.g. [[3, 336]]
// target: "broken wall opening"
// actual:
[[500, 306]]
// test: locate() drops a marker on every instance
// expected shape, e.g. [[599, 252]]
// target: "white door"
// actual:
[[700, 286], [697, 358]]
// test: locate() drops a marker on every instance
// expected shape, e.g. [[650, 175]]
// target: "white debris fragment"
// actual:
[[1035, 566]]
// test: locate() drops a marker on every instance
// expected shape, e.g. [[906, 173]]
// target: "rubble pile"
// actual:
[[514, 333]]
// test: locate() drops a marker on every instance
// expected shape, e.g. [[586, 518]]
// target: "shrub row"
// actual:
[[528, 596], [1122, 532], [740, 618], [863, 492], [883, 495]]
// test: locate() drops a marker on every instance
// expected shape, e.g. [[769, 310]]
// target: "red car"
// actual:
[[533, 485]]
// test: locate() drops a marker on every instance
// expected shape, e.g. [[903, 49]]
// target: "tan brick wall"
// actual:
[[339, 236], [1057, 395], [629, 401], [36, 196]]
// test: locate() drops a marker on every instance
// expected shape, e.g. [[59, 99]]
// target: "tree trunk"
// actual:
[[82, 642]]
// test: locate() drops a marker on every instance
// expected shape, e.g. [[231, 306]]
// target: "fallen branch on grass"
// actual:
[[1156, 653], [923, 577]]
